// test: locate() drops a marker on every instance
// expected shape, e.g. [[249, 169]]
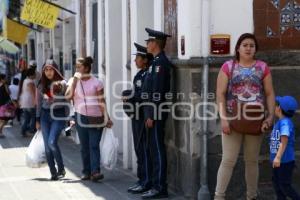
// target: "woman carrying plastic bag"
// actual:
[[109, 149], [35, 155]]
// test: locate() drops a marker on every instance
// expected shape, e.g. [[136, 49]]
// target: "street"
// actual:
[[18, 182]]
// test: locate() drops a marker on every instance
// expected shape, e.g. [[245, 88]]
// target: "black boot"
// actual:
[[155, 194]]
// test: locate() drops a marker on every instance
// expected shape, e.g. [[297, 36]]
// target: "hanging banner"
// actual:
[[15, 32], [39, 12]]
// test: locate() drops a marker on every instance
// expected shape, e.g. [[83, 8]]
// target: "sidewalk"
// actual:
[[18, 182]]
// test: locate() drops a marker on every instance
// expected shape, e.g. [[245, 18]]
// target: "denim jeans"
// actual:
[[28, 121], [89, 141], [51, 130], [282, 181]]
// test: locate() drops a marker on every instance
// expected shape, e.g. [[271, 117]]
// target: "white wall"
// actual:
[[232, 17], [126, 74], [101, 37], [89, 20], [58, 41], [113, 58], [40, 50], [158, 15], [77, 27], [68, 44], [141, 17], [189, 26]]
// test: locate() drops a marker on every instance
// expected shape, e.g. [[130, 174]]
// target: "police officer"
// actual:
[[142, 60], [155, 87]]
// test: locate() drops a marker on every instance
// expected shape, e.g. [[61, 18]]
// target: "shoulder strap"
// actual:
[[229, 85], [83, 96], [232, 69]]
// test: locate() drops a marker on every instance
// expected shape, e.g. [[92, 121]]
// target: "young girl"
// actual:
[[51, 115]]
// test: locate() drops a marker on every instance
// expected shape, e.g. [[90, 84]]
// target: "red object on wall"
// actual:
[[220, 44]]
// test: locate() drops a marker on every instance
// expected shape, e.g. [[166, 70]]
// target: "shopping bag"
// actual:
[[35, 155], [109, 149]]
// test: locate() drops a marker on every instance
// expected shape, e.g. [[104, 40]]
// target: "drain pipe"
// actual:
[[203, 193]]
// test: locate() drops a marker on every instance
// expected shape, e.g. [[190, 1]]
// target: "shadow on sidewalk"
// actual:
[[113, 187]]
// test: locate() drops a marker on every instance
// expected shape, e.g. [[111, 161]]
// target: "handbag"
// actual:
[[93, 121], [8, 110], [246, 118]]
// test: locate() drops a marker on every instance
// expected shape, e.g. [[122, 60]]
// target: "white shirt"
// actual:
[[14, 90], [27, 99]]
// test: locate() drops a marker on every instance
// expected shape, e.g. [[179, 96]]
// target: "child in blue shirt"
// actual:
[[282, 153]]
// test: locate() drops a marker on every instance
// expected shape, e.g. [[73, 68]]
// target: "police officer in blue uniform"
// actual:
[[142, 60], [155, 88]]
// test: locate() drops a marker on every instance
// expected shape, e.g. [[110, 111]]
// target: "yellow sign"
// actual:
[[15, 31], [39, 12]]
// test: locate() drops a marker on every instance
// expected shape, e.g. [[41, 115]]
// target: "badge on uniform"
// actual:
[[139, 83], [157, 69]]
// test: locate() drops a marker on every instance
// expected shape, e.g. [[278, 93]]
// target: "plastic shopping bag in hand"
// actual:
[[35, 155], [109, 149]]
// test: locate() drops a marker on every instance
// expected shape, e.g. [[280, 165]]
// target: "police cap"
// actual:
[[156, 35], [140, 50]]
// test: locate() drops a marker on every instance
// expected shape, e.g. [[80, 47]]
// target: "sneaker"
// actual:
[[61, 173], [155, 194], [132, 187]]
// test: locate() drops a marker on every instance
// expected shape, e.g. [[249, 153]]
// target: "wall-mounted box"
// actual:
[[220, 44]]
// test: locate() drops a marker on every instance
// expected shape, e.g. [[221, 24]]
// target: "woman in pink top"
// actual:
[[87, 94], [243, 80]]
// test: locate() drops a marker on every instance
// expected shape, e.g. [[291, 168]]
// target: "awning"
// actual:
[[8, 46]]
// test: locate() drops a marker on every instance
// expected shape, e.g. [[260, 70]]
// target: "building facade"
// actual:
[[112, 26]]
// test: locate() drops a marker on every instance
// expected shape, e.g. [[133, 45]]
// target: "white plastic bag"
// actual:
[[35, 155], [109, 149]]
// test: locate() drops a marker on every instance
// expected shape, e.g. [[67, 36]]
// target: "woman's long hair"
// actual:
[[45, 82], [241, 39]]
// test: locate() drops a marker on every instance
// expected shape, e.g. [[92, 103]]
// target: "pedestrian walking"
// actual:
[[282, 153], [143, 61], [87, 93], [156, 86], [4, 99], [52, 112], [244, 81], [27, 103], [14, 91]]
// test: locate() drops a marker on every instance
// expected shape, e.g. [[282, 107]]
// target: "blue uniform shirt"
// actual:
[[138, 83], [283, 127], [156, 84]]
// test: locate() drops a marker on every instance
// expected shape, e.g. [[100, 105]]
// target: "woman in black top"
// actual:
[[4, 99]]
